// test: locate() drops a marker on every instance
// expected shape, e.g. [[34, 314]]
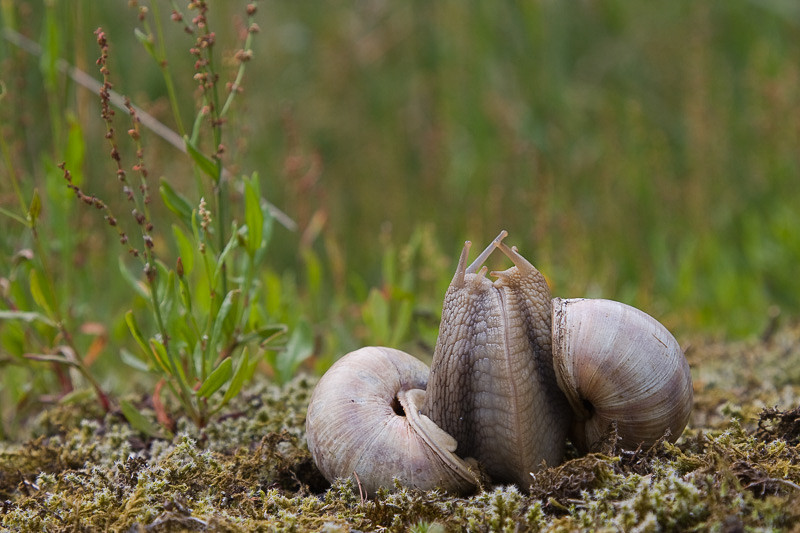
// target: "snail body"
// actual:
[[492, 384], [513, 374]]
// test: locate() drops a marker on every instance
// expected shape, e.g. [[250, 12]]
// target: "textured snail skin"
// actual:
[[492, 384]]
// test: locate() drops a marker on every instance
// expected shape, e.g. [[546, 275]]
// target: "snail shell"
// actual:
[[363, 420], [618, 364]]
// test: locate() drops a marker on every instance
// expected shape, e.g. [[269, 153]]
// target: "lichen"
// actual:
[[737, 467]]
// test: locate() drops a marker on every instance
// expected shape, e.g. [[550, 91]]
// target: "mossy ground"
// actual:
[[737, 467]]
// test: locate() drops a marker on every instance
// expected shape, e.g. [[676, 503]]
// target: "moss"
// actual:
[[775, 424], [737, 467]]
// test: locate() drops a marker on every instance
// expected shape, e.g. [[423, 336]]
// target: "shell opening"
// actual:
[[588, 408], [397, 407]]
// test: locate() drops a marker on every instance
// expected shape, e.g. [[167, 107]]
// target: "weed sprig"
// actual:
[[207, 319]]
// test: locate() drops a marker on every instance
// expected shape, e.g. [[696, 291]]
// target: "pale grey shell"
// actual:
[[618, 364], [364, 421]]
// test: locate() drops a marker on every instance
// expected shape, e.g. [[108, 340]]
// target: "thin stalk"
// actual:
[[248, 283], [10, 168], [62, 376], [165, 72], [222, 209], [59, 318], [221, 188], [248, 43], [210, 322], [185, 392], [74, 361]]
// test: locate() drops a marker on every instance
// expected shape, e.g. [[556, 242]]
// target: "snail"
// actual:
[[514, 375]]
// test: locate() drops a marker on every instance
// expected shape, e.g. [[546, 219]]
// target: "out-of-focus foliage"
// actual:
[[636, 152]]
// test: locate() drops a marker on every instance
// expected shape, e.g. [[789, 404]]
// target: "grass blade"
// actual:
[[219, 377], [298, 349], [26, 316], [138, 421], [243, 372], [176, 203], [253, 215], [203, 163]]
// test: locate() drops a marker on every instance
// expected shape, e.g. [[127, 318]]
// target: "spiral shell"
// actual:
[[618, 364], [364, 421]]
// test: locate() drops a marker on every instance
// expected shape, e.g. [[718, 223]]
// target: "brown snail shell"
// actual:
[[364, 421], [617, 364]]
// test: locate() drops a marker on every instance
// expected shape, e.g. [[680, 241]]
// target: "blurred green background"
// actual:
[[643, 152]]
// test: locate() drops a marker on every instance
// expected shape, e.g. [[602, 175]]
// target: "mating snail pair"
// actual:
[[514, 374]]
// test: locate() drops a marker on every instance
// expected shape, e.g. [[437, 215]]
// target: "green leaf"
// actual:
[[197, 360], [253, 215], [402, 322], [132, 361], [298, 349], [175, 202], [147, 42], [186, 250], [138, 421], [75, 153], [265, 334], [159, 352], [186, 295], [204, 163], [26, 316], [219, 377], [232, 243], [14, 216], [222, 314], [77, 396], [35, 208], [38, 293], [168, 290], [243, 372], [135, 283], [389, 266], [313, 271], [51, 45], [266, 232], [376, 317], [130, 319], [273, 292]]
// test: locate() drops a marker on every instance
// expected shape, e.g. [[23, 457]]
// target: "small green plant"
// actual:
[[48, 337], [40, 322], [209, 329]]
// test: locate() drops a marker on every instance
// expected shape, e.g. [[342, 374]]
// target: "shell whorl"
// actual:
[[364, 421], [617, 364]]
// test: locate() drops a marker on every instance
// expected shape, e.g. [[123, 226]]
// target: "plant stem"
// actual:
[[185, 392], [248, 43], [165, 71]]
